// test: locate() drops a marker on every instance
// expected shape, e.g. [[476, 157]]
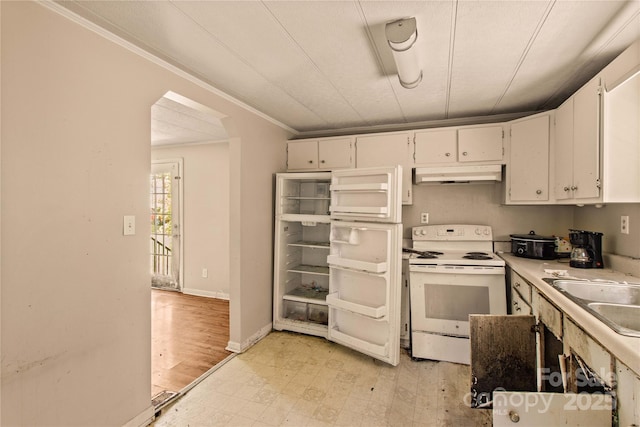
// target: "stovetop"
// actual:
[[459, 245], [463, 258]]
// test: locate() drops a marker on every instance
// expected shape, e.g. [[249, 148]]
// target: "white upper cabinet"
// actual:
[[577, 151], [436, 146], [320, 154], [302, 155], [528, 170], [480, 144], [336, 153], [452, 145], [621, 142], [389, 149], [586, 141]]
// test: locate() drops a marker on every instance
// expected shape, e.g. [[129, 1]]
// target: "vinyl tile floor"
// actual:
[[289, 379]]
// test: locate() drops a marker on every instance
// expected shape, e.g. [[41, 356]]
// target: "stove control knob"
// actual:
[[486, 231], [423, 233], [478, 231]]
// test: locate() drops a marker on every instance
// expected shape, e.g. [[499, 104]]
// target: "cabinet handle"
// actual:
[[574, 188], [321, 161], [516, 285], [447, 154], [310, 161], [464, 153], [538, 191], [566, 188]]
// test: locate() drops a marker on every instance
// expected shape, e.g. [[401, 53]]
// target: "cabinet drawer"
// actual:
[[518, 305], [521, 286], [548, 314], [593, 354]]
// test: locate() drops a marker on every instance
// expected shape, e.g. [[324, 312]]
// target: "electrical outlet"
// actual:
[[424, 218], [624, 224], [205, 273]]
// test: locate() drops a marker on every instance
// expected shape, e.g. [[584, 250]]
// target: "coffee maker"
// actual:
[[587, 249]]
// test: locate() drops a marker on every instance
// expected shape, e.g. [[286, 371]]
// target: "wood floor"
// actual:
[[188, 336]]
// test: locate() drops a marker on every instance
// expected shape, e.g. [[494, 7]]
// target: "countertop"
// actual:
[[626, 349]]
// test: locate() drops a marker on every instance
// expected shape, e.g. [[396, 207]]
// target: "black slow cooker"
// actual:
[[533, 246]]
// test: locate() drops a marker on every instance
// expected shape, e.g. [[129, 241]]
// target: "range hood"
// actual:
[[457, 174]]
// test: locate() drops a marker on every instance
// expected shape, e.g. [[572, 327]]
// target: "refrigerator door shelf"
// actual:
[[367, 194], [334, 301], [383, 186], [372, 267], [379, 351]]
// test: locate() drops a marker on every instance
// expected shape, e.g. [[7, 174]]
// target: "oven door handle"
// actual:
[[443, 269]]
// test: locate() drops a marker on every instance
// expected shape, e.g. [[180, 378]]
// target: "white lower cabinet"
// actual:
[[628, 396]]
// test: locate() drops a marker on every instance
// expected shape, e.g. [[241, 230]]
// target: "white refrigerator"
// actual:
[[365, 261]]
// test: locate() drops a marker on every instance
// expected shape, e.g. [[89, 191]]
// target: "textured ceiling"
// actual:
[[324, 67]]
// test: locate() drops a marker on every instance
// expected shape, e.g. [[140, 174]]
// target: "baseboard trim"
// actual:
[[208, 294], [143, 419], [237, 347]]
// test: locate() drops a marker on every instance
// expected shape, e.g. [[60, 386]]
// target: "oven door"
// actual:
[[442, 297]]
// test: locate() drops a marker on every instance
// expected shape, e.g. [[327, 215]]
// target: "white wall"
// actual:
[[75, 150], [205, 181]]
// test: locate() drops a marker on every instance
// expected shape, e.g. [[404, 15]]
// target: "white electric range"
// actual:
[[453, 272]]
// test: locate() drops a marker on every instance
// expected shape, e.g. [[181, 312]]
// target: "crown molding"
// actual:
[[72, 16]]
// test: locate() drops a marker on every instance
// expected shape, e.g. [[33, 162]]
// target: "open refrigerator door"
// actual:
[[364, 261]]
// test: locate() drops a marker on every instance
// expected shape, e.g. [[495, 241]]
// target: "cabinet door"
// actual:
[[387, 150], [529, 160], [551, 409], [480, 144], [302, 155], [335, 153], [628, 392], [436, 146], [503, 355], [586, 141], [563, 180]]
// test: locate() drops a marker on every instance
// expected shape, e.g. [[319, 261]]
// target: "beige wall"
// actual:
[[205, 181], [481, 204], [75, 150], [607, 220]]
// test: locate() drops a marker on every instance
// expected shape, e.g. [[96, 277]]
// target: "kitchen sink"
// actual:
[[616, 304], [625, 317], [610, 292]]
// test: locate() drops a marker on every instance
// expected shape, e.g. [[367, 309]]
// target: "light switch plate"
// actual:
[[129, 225]]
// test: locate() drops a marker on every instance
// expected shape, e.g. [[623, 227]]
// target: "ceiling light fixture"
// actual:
[[402, 35]]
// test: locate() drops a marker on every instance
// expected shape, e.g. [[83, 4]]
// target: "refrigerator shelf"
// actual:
[[333, 300], [308, 295], [315, 245], [305, 218], [305, 198], [310, 269]]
